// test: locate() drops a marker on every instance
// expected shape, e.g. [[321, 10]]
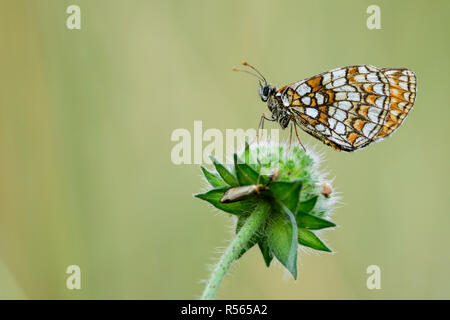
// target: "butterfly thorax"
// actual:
[[280, 113]]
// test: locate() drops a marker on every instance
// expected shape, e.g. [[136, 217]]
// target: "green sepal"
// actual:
[[288, 192], [250, 158], [309, 239], [282, 236], [246, 175], [246, 153], [309, 221], [213, 179], [263, 245], [307, 205], [226, 175], [213, 196]]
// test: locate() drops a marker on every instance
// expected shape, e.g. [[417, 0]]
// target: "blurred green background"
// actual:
[[85, 123]]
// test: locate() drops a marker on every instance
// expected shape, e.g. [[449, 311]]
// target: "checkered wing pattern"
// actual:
[[348, 108]]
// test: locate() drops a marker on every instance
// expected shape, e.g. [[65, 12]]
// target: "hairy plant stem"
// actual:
[[253, 223]]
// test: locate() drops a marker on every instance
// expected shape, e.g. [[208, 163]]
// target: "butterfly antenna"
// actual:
[[253, 74], [244, 63]]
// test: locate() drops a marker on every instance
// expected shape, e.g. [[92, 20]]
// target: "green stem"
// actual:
[[253, 223]]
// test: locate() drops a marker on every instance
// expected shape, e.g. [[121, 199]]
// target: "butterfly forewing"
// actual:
[[350, 107]]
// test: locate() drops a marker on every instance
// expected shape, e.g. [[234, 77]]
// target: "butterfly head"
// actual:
[[266, 91]]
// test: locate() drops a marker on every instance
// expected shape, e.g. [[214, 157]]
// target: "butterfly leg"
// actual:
[[290, 136], [261, 124], [298, 138]]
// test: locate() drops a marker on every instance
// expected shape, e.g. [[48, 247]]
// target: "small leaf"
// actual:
[[309, 221], [246, 153], [246, 175], [250, 158], [265, 250], [309, 239], [226, 175], [212, 178], [282, 233], [307, 205], [238, 208], [287, 192]]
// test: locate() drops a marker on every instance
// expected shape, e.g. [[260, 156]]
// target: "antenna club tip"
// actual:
[[235, 69], [244, 63]]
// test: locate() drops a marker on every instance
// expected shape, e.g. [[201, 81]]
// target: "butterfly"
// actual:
[[346, 108]]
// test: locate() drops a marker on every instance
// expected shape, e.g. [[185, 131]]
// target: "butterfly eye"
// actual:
[[264, 93]]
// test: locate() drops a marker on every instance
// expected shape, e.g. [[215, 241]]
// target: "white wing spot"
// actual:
[[360, 78], [312, 112], [319, 98], [340, 115], [331, 111], [367, 129], [320, 127], [326, 78], [363, 70], [340, 128], [374, 113], [403, 85], [378, 88], [354, 96], [338, 74], [345, 105], [332, 122], [339, 82], [306, 100], [341, 96], [346, 88], [380, 102], [372, 77], [303, 89]]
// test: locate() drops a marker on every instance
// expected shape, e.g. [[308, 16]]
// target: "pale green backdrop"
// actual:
[[85, 123]]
